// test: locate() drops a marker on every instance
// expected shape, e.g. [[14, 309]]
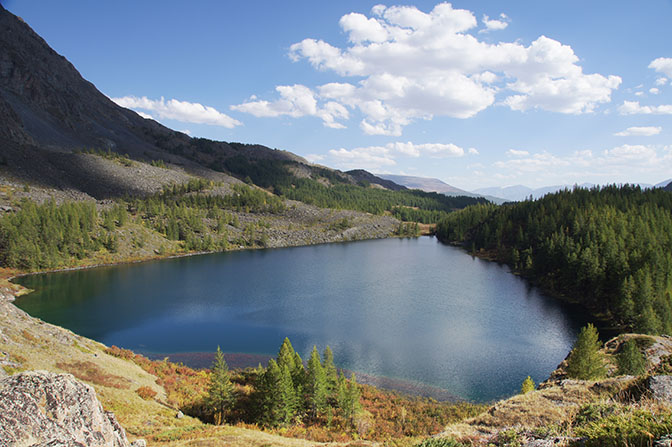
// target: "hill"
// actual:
[[606, 248]]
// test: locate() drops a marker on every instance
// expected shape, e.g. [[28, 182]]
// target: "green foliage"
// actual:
[[348, 397], [48, 235], [220, 392], [618, 426], [407, 229], [439, 442], [110, 155], [631, 361], [608, 247], [330, 370], [528, 385], [316, 384], [413, 205], [585, 362]]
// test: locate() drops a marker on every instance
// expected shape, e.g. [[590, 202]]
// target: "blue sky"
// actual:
[[476, 93]]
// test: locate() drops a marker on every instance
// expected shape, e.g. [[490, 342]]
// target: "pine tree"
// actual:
[[288, 403], [220, 392], [631, 361], [528, 385], [316, 384], [287, 355], [585, 362]]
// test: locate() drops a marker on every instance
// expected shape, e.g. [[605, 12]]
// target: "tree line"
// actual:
[[609, 248]]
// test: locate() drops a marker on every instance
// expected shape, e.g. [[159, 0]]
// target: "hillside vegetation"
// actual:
[[608, 248]]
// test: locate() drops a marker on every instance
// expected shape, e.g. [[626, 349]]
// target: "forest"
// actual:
[[49, 235], [608, 248]]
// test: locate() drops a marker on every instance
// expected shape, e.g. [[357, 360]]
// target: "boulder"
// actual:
[[48, 409]]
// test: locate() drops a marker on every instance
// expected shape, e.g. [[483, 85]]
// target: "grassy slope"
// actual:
[[27, 343]]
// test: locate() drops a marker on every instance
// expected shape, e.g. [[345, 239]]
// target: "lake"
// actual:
[[413, 312]]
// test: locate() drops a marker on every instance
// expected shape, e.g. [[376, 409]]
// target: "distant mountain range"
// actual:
[[435, 185]]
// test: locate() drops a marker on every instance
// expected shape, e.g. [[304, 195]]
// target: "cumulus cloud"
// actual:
[[639, 131], [413, 65], [379, 157], [186, 112], [654, 90], [516, 153], [295, 101], [662, 65], [661, 81], [494, 24], [620, 163], [634, 108]]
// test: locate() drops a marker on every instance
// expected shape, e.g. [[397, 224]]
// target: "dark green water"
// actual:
[[408, 309]]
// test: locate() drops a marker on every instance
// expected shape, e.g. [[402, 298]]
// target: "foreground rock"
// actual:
[[43, 408]]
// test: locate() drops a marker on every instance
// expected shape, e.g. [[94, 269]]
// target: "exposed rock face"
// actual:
[[43, 408], [661, 388]]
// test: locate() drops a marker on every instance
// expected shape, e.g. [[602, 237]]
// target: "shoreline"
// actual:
[[242, 360]]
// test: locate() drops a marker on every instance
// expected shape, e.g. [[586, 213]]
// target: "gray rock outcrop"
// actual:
[[43, 408], [661, 388]]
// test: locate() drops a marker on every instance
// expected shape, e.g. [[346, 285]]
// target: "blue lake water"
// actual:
[[412, 310]]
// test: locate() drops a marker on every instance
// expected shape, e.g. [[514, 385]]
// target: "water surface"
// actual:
[[407, 309]]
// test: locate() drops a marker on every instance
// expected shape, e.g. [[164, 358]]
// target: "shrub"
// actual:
[[146, 392], [632, 428], [439, 442], [631, 360], [528, 385]]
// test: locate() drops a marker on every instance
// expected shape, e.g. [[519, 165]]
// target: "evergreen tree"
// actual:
[[528, 385], [631, 361], [348, 397], [220, 392], [316, 384], [287, 356], [288, 401], [585, 362], [330, 370]]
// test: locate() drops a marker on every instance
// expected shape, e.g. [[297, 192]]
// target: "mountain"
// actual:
[[668, 187], [664, 184], [48, 113], [365, 176], [435, 185], [518, 193]]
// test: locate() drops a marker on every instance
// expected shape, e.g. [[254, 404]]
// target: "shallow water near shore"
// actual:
[[411, 311]]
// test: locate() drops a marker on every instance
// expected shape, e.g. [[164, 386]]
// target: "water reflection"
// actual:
[[409, 309]]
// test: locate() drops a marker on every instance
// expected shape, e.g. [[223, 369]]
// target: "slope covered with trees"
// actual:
[[608, 248]]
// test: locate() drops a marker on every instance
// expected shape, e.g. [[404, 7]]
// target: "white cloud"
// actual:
[[661, 81], [415, 65], [662, 65], [186, 112], [373, 157], [473, 151], [377, 157], [517, 153], [625, 163], [639, 131], [146, 116], [493, 24], [654, 90], [634, 108], [295, 101]]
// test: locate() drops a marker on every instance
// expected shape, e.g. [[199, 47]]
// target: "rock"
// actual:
[[665, 441], [661, 388], [48, 409], [139, 443], [179, 415]]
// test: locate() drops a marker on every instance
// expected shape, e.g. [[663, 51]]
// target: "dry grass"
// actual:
[[91, 373]]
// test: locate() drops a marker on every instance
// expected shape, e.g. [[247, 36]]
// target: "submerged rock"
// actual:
[[43, 408]]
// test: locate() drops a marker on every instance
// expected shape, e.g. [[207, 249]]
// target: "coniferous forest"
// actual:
[[608, 248]]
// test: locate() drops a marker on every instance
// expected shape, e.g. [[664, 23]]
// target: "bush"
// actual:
[[528, 385], [145, 392], [631, 428], [439, 442]]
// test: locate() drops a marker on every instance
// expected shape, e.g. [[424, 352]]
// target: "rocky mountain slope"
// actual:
[[48, 111]]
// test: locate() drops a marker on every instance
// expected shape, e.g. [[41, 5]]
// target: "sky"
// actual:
[[475, 93]]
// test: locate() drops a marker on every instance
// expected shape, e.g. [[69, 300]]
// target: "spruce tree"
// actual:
[[288, 402], [348, 397], [220, 392], [631, 361], [286, 355], [330, 370], [316, 384], [585, 362]]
